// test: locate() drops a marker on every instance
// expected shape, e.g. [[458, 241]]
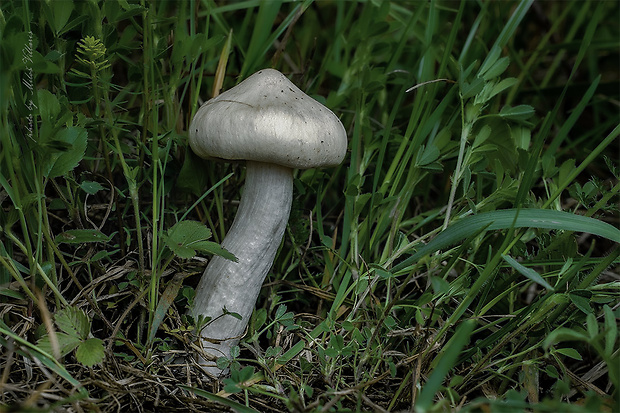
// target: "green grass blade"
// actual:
[[527, 272], [444, 361], [590, 158], [165, 301], [508, 218], [572, 119], [506, 34], [267, 13], [237, 407]]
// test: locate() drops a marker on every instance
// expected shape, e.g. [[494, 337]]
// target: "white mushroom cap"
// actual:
[[266, 118]]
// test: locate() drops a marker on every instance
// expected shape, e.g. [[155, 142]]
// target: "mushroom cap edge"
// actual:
[[266, 118]]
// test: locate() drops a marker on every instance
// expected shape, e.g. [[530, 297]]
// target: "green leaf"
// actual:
[[440, 286], [230, 386], [506, 34], [45, 357], [581, 299], [48, 104], [570, 352], [497, 69], [193, 175], [482, 136], [73, 321], [427, 155], [503, 85], [517, 113], [527, 272], [471, 89], [552, 371], [592, 325], [61, 10], [59, 163], [187, 237], [214, 248], [91, 187], [12, 294], [611, 331], [246, 374], [66, 343], [280, 311], [490, 60], [564, 334], [90, 352], [234, 352], [80, 236]]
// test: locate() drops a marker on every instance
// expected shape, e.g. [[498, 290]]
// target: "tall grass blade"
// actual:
[[237, 407], [512, 218], [444, 361]]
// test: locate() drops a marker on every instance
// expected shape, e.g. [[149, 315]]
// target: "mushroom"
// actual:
[[275, 127]]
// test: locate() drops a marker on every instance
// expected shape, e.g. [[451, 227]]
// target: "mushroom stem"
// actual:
[[254, 239]]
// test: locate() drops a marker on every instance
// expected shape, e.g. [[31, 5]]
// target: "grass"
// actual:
[[463, 257]]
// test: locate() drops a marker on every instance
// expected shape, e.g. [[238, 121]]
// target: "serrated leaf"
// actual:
[[66, 343], [280, 311], [214, 248], [185, 238], [90, 352], [48, 104], [235, 351], [184, 235], [60, 162], [80, 236], [73, 321]]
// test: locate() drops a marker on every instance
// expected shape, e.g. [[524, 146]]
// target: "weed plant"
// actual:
[[463, 257]]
